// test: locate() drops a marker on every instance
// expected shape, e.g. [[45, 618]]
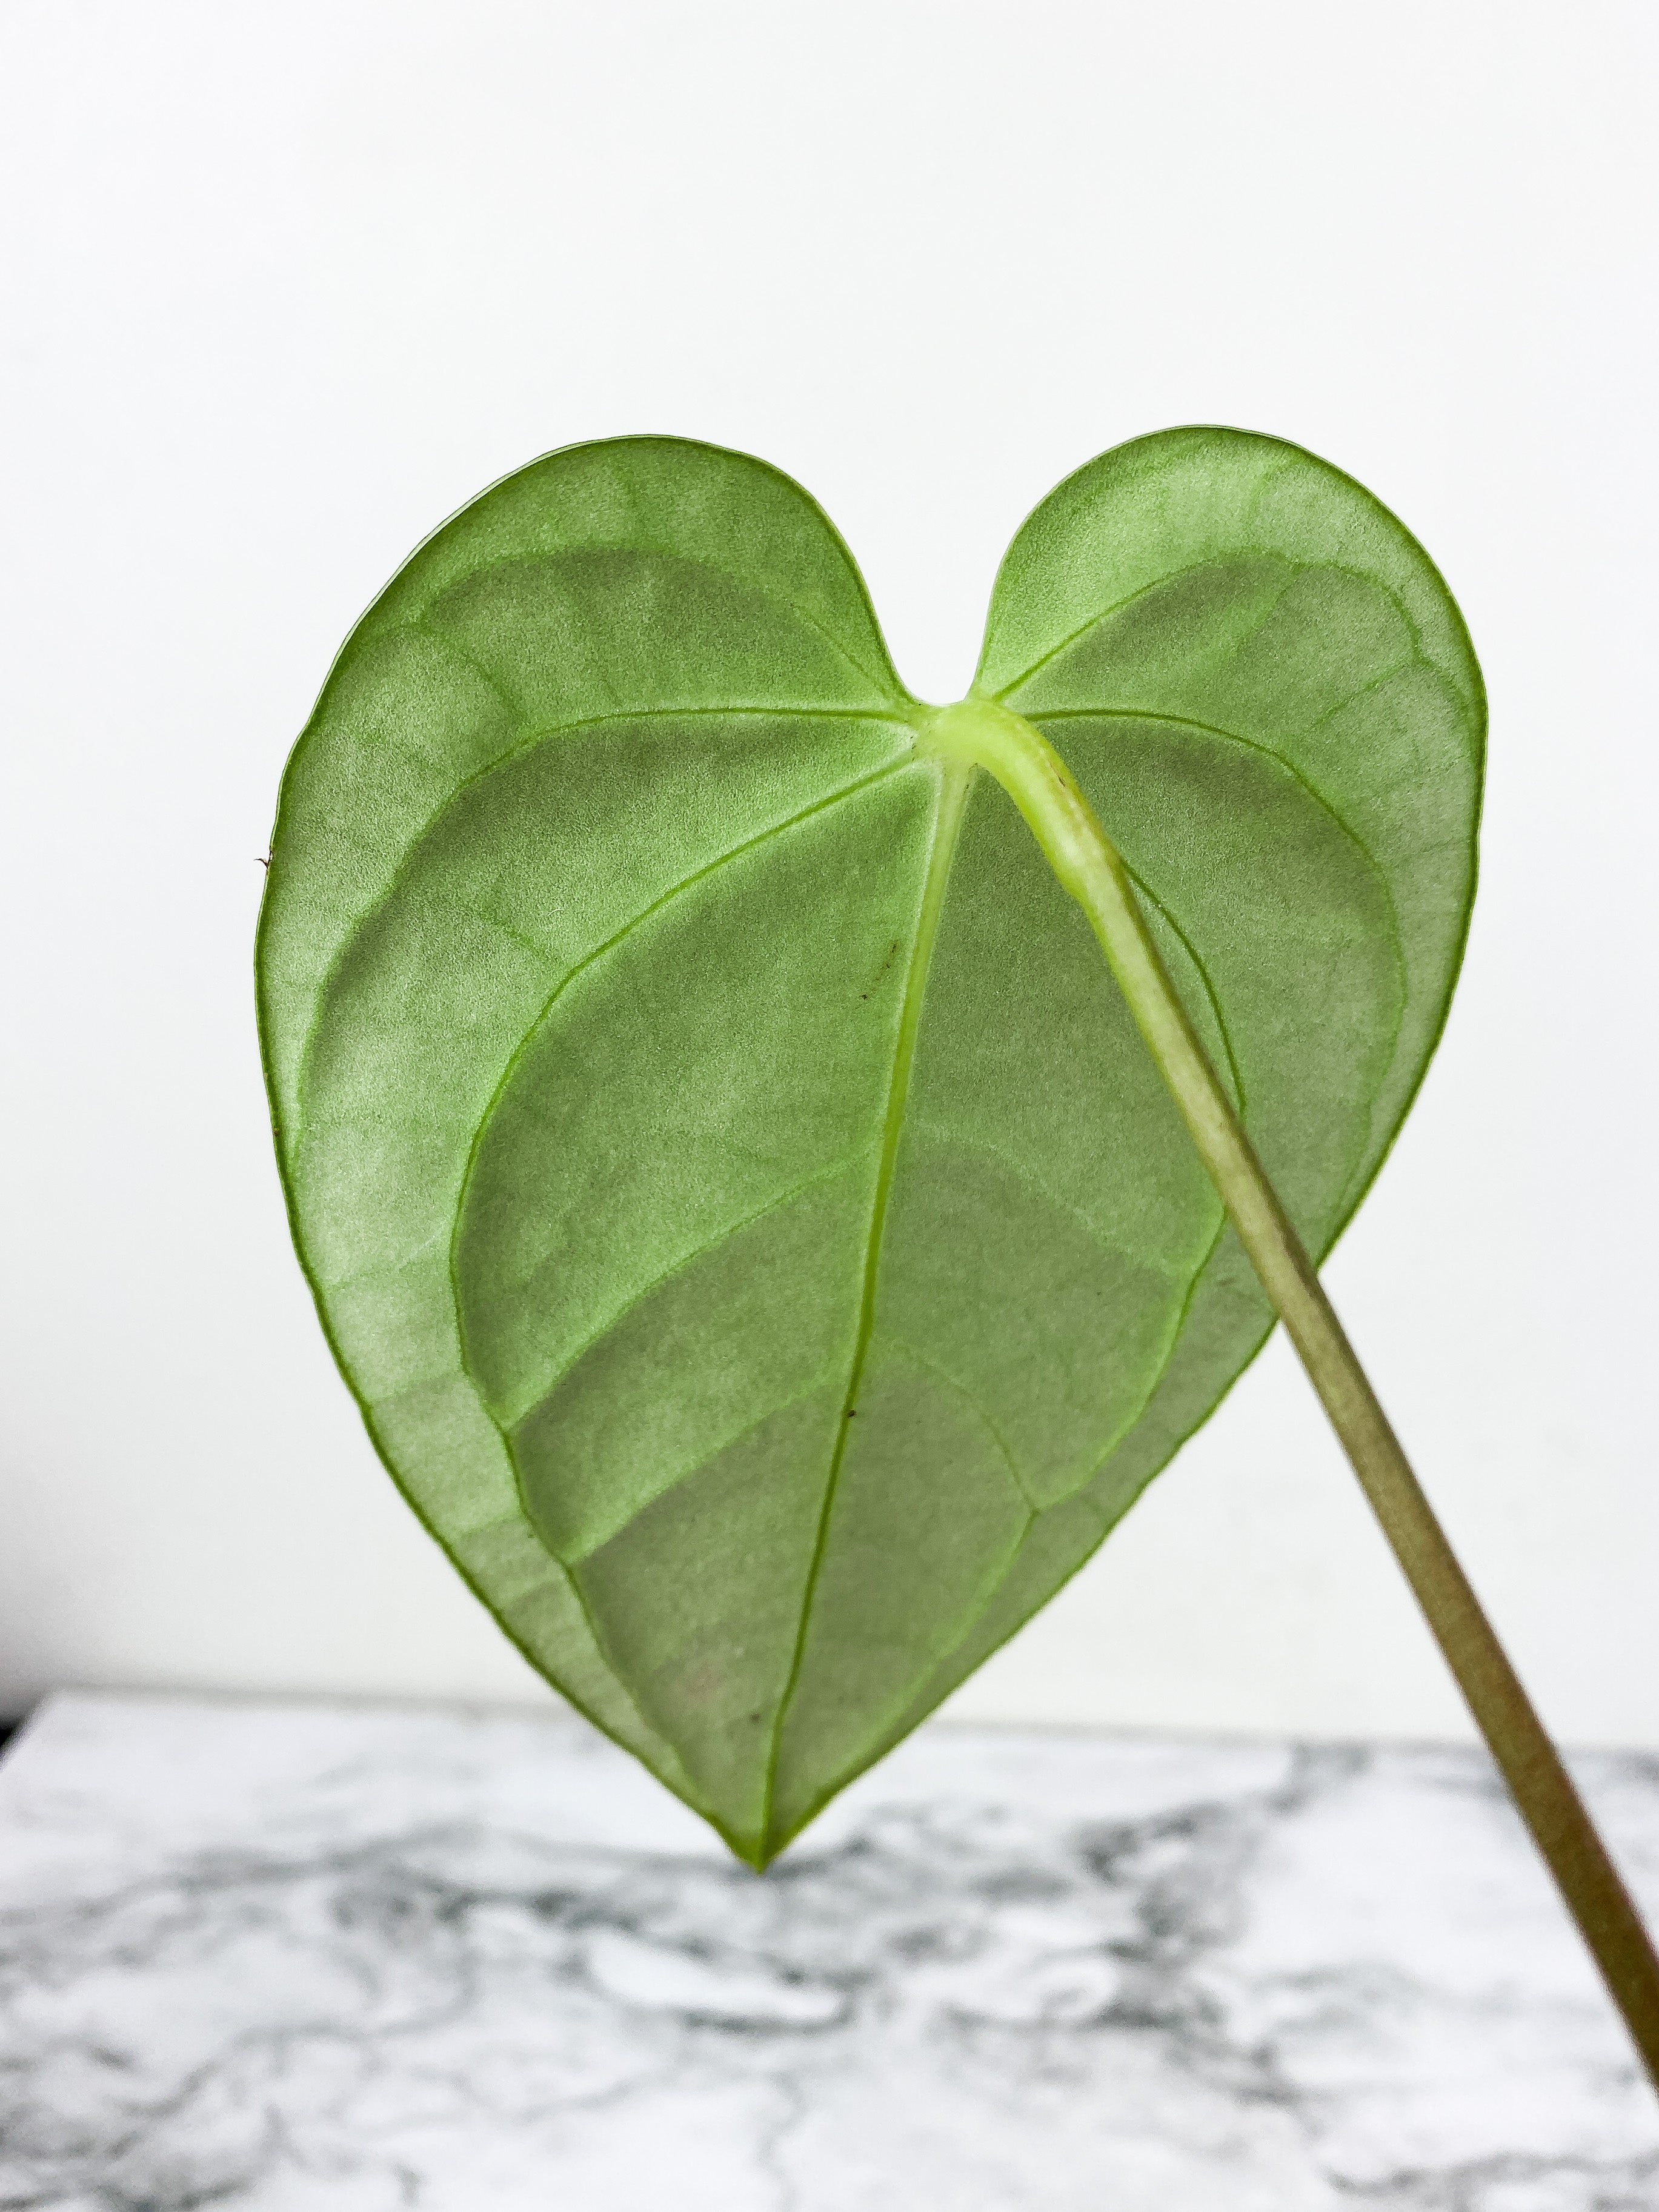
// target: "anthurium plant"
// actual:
[[770, 1246]]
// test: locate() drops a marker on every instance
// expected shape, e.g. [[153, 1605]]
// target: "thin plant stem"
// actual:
[[1090, 868]]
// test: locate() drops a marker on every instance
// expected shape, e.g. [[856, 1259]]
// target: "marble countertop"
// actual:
[[308, 1958]]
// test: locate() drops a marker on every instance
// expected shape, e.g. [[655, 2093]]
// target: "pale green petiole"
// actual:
[[983, 732]]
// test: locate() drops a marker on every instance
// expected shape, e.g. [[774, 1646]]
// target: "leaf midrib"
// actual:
[[1179, 1321], [955, 784], [1186, 1273]]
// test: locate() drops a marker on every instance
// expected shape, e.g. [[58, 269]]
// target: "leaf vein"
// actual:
[[726, 1443], [1156, 584], [973, 1143], [888, 686], [677, 1268], [406, 867], [908, 1351], [1192, 952], [1272, 753], [633, 922]]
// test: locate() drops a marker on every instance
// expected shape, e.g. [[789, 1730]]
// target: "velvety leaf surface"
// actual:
[[760, 1243]]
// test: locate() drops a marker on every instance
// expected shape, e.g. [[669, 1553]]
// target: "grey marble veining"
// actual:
[[316, 1959]]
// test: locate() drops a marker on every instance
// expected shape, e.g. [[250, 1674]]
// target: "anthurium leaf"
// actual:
[[761, 1245]]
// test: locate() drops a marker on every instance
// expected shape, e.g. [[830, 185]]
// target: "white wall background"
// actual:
[[284, 285]]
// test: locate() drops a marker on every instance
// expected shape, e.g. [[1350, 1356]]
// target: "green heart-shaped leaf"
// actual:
[[760, 1243]]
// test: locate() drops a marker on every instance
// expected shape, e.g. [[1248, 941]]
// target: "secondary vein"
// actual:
[[581, 968]]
